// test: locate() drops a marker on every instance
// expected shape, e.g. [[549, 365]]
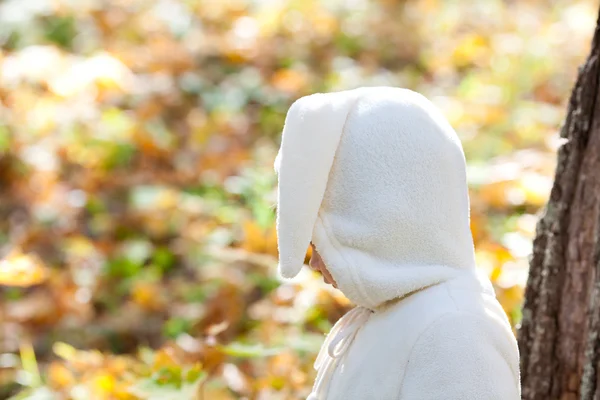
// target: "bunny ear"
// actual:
[[311, 135]]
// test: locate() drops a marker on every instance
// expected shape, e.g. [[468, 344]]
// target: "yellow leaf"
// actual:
[[167, 199], [163, 359], [495, 115], [323, 24], [510, 298], [502, 254], [469, 50], [64, 351], [495, 274], [104, 384], [102, 69], [536, 188], [278, 382], [22, 270]]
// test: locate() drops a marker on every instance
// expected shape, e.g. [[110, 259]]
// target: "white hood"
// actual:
[[376, 178]]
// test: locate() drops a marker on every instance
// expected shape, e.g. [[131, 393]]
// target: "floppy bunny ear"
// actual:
[[311, 135]]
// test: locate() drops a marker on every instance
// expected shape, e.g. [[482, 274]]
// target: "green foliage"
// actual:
[[176, 326], [241, 350], [60, 30]]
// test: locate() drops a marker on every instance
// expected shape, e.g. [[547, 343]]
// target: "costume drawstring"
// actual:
[[336, 344]]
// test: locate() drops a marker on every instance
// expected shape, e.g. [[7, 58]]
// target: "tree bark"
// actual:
[[559, 335]]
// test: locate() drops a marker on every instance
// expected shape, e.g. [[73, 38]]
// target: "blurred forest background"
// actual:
[[136, 146]]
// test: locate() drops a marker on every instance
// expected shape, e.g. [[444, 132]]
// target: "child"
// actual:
[[375, 180]]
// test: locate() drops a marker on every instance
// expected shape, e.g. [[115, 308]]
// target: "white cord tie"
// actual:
[[336, 344]]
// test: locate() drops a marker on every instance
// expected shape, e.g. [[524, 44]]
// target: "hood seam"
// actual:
[[335, 244]]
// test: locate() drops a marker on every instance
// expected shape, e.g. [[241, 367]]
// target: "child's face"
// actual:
[[316, 264]]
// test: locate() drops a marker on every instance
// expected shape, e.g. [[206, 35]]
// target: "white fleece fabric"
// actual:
[[376, 178]]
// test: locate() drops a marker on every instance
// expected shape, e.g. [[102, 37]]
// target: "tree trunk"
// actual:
[[559, 336]]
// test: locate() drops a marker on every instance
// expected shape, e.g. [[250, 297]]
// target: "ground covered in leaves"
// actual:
[[136, 144]]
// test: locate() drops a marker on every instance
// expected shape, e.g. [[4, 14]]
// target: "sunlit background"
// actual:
[[136, 148]]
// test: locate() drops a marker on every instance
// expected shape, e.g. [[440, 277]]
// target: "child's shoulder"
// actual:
[[450, 301], [413, 314]]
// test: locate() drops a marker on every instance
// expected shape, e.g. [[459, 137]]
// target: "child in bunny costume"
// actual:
[[375, 180]]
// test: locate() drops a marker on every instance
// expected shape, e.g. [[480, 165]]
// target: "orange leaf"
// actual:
[[147, 295], [254, 237], [60, 376], [288, 80]]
